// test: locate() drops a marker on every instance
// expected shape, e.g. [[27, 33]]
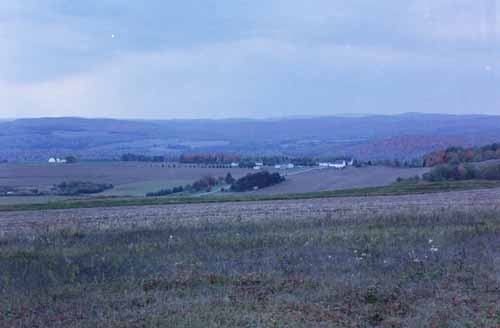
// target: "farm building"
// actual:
[[338, 164], [57, 160], [341, 164], [284, 166]]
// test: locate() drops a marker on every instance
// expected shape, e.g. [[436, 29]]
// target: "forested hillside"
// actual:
[[457, 155], [404, 136]]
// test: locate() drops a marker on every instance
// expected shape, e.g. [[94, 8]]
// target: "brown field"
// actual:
[[117, 217], [316, 180], [399, 261], [136, 179], [129, 179], [117, 173]]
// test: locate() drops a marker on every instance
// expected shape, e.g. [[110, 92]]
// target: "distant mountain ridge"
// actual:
[[402, 136]]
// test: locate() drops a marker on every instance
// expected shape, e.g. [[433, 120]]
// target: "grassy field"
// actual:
[[129, 178], [318, 180], [141, 188], [16, 200], [406, 261], [394, 189], [137, 179]]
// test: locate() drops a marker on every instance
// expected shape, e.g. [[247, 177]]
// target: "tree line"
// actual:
[[206, 184], [457, 155], [129, 157], [217, 158], [467, 171], [257, 181]]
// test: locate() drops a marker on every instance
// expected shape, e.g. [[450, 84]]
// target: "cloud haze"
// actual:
[[263, 58]]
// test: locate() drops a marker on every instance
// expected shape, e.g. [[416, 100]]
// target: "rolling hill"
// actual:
[[402, 136]]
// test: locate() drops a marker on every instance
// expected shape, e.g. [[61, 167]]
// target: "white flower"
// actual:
[[434, 249], [430, 241]]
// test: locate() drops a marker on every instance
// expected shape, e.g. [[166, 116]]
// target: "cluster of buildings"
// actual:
[[284, 166], [57, 160], [258, 166], [341, 164], [337, 164]]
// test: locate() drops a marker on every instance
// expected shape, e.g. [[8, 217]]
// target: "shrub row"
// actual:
[[462, 172], [73, 188], [257, 180]]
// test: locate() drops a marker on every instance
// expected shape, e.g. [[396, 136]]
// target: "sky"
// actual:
[[162, 59]]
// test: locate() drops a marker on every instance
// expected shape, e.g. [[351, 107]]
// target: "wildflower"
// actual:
[[430, 241], [434, 249]]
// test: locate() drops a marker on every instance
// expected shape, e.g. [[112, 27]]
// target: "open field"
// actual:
[[221, 212], [116, 173], [130, 176], [317, 180], [18, 200], [129, 179], [137, 179], [399, 261], [403, 188]]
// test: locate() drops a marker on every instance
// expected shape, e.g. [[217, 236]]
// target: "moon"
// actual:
[[112, 36]]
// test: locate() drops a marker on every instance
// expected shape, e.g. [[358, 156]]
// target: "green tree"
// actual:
[[229, 178], [71, 159]]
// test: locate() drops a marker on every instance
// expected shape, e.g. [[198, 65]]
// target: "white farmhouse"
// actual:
[[338, 164], [234, 164], [57, 160]]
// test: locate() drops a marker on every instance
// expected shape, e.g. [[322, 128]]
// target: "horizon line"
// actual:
[[277, 118]]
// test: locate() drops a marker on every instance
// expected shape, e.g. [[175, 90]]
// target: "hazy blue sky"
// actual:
[[247, 58]]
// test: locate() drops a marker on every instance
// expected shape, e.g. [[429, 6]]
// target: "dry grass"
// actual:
[[409, 261]]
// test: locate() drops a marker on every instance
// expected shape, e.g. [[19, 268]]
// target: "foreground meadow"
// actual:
[[412, 261]]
